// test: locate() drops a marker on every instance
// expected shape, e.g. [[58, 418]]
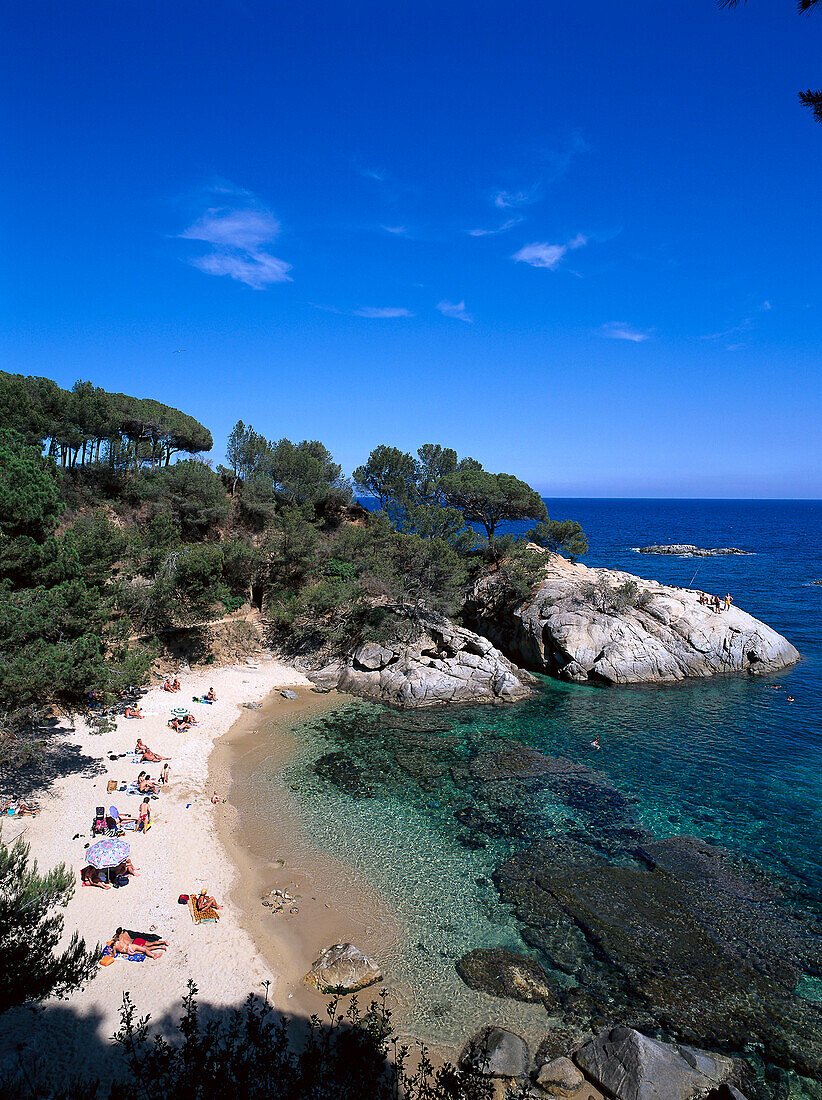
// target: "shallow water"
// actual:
[[730, 759]]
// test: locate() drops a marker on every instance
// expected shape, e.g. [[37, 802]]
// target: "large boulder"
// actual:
[[560, 1077], [504, 973], [430, 662], [630, 1066], [495, 1052], [342, 968], [611, 627]]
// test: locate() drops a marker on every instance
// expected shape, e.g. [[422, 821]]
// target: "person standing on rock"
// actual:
[[728, 601]]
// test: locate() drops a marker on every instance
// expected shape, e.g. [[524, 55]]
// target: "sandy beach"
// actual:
[[181, 854]]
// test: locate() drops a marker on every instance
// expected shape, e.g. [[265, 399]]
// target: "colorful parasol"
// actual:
[[108, 852]]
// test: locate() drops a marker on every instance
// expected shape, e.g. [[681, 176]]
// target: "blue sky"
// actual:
[[579, 242]]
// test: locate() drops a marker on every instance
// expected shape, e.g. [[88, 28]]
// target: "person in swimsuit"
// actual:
[[146, 753], [16, 807], [126, 944], [90, 876], [145, 816], [145, 785], [205, 901], [125, 868]]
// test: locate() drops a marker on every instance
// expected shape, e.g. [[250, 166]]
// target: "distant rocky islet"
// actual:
[[686, 550]]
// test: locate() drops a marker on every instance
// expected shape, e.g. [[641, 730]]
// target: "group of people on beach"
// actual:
[[125, 942], [715, 603]]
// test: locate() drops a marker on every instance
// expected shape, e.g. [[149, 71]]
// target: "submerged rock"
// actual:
[[439, 663], [342, 968], [685, 937], [504, 973], [630, 1066], [495, 1052], [611, 627]]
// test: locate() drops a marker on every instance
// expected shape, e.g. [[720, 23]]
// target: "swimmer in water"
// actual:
[[790, 699], [595, 743]]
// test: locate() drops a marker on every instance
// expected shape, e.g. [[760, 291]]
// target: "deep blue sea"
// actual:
[[730, 759]]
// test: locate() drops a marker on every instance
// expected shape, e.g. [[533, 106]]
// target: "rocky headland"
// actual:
[[614, 628], [428, 662]]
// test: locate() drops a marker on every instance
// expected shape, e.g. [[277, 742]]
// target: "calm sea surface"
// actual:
[[729, 759]]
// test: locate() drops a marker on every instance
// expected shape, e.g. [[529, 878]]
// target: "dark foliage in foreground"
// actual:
[[255, 1053], [31, 927]]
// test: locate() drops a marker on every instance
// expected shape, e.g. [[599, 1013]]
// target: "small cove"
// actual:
[[728, 760]]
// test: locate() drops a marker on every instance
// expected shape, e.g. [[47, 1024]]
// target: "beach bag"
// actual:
[[182, 899]]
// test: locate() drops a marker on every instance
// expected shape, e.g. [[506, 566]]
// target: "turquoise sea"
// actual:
[[729, 760]]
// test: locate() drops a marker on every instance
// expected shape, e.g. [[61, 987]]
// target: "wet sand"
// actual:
[[332, 904]]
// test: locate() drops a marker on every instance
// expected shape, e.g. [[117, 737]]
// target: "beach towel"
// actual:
[[109, 956], [206, 916]]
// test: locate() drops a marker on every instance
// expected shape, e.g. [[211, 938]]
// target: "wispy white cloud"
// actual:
[[765, 306], [560, 160], [542, 254], [743, 326], [382, 313], [504, 200], [397, 230], [380, 175], [238, 236], [506, 225], [454, 309], [618, 330]]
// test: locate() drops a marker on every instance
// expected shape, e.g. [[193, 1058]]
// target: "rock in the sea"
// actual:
[[630, 1066], [504, 973], [614, 628], [439, 663], [495, 1052], [686, 550], [342, 968], [559, 1078], [287, 693], [690, 939]]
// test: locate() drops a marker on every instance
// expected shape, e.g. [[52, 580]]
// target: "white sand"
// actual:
[[180, 854]]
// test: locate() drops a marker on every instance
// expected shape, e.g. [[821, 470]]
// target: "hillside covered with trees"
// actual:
[[116, 531]]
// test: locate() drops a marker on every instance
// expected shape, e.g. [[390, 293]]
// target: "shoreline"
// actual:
[[182, 852], [333, 903]]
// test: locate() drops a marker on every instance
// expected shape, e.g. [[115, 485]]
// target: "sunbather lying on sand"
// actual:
[[90, 876], [147, 754], [133, 712], [16, 807], [127, 943]]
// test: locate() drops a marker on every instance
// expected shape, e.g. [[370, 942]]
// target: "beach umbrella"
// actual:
[[108, 852], [180, 712]]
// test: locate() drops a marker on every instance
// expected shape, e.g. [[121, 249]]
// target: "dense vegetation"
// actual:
[[107, 545]]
